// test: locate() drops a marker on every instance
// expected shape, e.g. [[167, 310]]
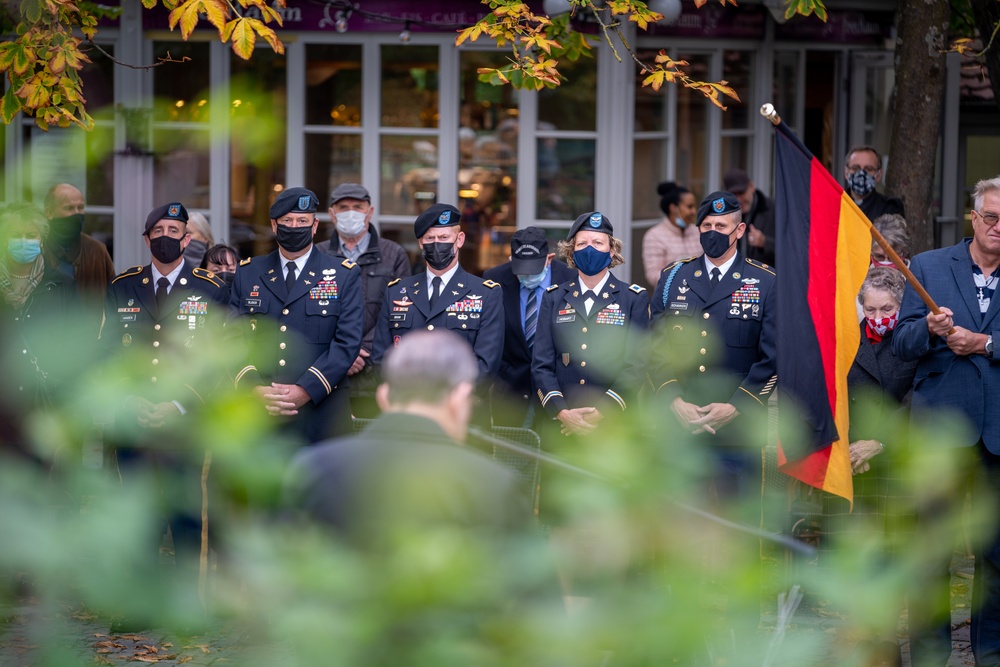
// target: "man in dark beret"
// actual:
[[301, 313], [164, 313], [444, 296]]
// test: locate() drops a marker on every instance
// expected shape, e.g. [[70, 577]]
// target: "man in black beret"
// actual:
[[165, 312], [301, 313], [531, 270], [444, 296]]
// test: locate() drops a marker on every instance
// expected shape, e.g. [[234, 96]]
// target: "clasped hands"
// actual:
[[703, 418], [281, 399], [154, 415], [960, 340], [579, 421]]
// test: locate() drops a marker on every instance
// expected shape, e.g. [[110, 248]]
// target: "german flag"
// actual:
[[823, 245]]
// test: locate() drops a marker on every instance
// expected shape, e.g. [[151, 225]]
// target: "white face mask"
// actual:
[[350, 223]]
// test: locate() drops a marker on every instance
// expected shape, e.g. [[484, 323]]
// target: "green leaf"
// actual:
[[9, 106]]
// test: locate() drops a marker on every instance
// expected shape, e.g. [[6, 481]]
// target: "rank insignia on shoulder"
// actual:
[[131, 271], [638, 289], [551, 287], [244, 262], [491, 284], [205, 274], [760, 265], [348, 264], [391, 283]]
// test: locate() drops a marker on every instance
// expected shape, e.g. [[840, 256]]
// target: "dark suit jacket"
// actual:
[[877, 204], [403, 471], [878, 383], [515, 365], [966, 385]]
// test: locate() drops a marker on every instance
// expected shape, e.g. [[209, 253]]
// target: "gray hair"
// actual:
[[27, 214], [426, 366], [885, 279], [894, 228], [984, 187], [199, 223]]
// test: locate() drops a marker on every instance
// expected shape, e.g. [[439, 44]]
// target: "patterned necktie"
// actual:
[[435, 290], [531, 317], [290, 276], [716, 276], [162, 285]]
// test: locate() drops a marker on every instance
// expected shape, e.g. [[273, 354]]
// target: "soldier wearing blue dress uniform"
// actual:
[[445, 296], [301, 312], [588, 359], [164, 312]]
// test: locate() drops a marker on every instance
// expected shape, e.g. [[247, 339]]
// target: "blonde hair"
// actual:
[[565, 250]]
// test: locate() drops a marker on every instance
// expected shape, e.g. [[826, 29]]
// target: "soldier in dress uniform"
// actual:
[[301, 313], [588, 358], [446, 295], [164, 312]]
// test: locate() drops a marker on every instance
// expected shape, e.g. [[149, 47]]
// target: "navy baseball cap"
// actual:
[[529, 248], [718, 203], [438, 215], [294, 200], [591, 222], [171, 211]]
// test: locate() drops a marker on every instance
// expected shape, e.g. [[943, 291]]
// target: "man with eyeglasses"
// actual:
[[958, 373], [301, 313], [862, 173]]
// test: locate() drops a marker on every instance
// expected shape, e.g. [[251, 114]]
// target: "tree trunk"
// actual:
[[987, 13], [916, 126]]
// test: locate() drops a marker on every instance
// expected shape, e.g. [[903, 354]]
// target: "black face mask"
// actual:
[[64, 232], [439, 255], [165, 249], [226, 277], [294, 239], [715, 244]]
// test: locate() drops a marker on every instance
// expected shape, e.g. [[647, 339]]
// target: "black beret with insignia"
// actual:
[[438, 215], [294, 200], [718, 203], [171, 211], [591, 222]]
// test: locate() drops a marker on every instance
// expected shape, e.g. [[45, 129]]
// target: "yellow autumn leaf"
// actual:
[[242, 36]]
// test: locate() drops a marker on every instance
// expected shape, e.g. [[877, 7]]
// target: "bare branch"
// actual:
[[163, 61]]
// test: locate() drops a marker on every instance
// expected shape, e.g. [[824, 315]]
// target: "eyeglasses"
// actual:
[[989, 218], [871, 171]]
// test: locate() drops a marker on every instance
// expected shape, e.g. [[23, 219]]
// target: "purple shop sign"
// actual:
[[714, 21], [380, 16], [840, 28]]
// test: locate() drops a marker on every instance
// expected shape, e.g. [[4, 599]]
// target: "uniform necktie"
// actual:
[[162, 285], [531, 317], [716, 276], [589, 297], [435, 290], [290, 276]]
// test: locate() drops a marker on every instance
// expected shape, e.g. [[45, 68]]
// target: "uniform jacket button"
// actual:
[[281, 362], [430, 327], [706, 315], [284, 312]]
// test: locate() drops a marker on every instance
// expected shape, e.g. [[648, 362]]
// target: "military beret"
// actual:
[[349, 191], [294, 200], [438, 215], [591, 222], [172, 211], [718, 203]]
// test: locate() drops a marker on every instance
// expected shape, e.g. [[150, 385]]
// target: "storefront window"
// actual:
[[650, 163], [692, 125], [331, 160], [181, 171], [487, 176], [181, 90], [409, 86], [565, 170], [737, 69], [651, 149], [409, 174], [571, 106], [784, 88]]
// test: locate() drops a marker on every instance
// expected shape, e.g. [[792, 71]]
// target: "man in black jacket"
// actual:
[[862, 172], [381, 261], [758, 214], [532, 268]]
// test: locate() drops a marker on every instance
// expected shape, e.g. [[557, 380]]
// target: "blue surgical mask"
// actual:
[[531, 282], [24, 251], [591, 261], [680, 222]]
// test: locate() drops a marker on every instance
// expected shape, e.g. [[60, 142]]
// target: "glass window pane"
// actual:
[[692, 120], [409, 86], [180, 171], [409, 174], [333, 84], [649, 166], [650, 105], [735, 155], [573, 104], [101, 227], [257, 156], [737, 69], [330, 161], [181, 89], [783, 90], [70, 155], [98, 78], [565, 178], [487, 176]]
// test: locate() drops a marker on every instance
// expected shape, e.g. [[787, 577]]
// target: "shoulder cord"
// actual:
[[670, 279]]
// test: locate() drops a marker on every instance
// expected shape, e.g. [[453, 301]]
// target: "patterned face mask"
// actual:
[[861, 182], [882, 325]]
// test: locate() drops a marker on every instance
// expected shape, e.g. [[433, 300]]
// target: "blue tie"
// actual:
[[531, 317]]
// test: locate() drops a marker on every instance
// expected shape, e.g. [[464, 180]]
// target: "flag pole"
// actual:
[[768, 111]]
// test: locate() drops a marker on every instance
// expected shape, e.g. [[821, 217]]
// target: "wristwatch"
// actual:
[[989, 346]]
